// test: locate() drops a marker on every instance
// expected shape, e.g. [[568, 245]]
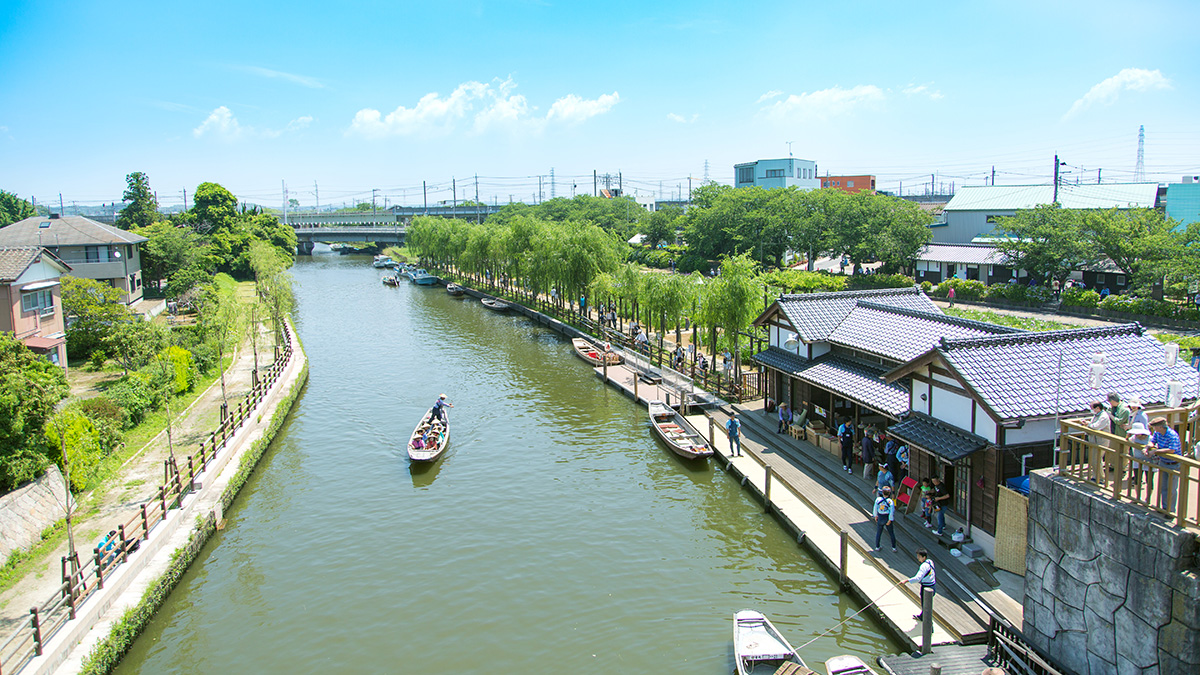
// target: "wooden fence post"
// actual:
[[767, 489], [36, 622], [145, 524], [124, 548], [926, 622], [843, 578], [711, 436], [99, 568]]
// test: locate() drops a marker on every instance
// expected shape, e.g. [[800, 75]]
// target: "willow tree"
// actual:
[[730, 302]]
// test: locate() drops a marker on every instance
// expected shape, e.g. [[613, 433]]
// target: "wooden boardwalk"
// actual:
[[625, 378]]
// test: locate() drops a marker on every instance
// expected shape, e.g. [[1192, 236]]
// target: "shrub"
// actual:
[[1078, 297], [108, 417], [964, 289], [183, 369], [858, 282], [97, 359], [926, 287], [136, 395], [1018, 293], [83, 445], [692, 262]]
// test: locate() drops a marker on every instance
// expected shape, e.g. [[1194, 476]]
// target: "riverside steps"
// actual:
[[819, 514]]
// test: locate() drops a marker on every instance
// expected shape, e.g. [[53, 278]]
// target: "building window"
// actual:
[[1099, 278], [1120, 279], [774, 173], [745, 174], [38, 301], [849, 183]]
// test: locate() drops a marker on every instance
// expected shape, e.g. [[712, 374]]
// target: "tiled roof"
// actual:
[[903, 334], [816, 315], [942, 439], [858, 382], [1018, 197], [14, 260], [1017, 375], [970, 254], [64, 231]]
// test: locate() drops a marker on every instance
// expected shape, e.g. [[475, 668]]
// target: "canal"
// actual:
[[556, 534]]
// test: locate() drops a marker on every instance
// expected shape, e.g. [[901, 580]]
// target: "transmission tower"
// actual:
[[551, 182], [1139, 172], [706, 171]]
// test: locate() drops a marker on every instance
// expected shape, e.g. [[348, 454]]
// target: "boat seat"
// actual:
[[793, 669]]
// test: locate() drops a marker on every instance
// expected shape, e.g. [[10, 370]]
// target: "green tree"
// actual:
[[134, 341], [13, 208], [95, 310], [214, 208], [1047, 241], [30, 387], [77, 446], [1142, 242], [141, 209], [660, 226], [170, 249]]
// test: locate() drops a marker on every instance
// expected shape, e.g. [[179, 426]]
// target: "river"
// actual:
[[555, 534]]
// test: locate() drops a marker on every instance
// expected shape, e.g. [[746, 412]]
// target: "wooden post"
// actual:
[[635, 386], [926, 622], [843, 578], [124, 549], [70, 590], [711, 437], [162, 500], [145, 524], [99, 568], [767, 489], [35, 621], [1182, 502], [605, 366], [936, 668]]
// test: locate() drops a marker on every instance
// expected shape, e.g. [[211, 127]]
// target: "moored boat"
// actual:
[[756, 642], [588, 351], [430, 438], [674, 430], [382, 261], [847, 665], [423, 278], [455, 290], [494, 304]]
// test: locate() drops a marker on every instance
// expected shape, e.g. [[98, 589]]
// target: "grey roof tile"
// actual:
[[929, 434], [970, 254], [902, 334], [16, 259], [816, 315], [64, 231], [1017, 375], [856, 381]]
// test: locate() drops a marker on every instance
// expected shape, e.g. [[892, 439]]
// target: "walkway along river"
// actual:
[[555, 534]]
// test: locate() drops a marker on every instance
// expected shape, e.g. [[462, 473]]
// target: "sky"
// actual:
[[343, 101]]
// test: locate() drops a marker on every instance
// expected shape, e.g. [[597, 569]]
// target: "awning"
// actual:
[[854, 381], [44, 343], [943, 440], [37, 286]]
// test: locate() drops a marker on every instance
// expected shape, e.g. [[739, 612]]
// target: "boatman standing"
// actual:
[[926, 576], [439, 408]]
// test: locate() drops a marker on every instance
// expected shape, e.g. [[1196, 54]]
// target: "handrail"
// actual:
[[85, 577]]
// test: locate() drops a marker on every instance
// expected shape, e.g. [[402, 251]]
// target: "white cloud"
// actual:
[[924, 90], [681, 119], [302, 80], [222, 125], [1107, 92], [489, 106], [774, 93], [825, 103], [573, 108]]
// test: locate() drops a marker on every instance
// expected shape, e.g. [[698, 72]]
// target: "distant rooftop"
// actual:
[[1018, 197], [64, 231]]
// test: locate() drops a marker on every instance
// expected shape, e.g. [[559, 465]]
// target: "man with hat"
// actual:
[[885, 514], [1164, 443], [1138, 436], [439, 408], [734, 427]]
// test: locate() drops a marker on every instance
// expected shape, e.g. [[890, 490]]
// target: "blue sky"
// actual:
[[360, 95]]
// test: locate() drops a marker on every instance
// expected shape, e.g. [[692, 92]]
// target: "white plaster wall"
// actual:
[[952, 408], [1032, 432], [984, 426]]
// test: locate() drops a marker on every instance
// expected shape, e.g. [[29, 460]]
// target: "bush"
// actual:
[[964, 289], [926, 287], [802, 281], [108, 417], [1018, 293], [859, 282], [136, 395], [97, 359], [692, 262], [83, 445], [183, 370], [1132, 305]]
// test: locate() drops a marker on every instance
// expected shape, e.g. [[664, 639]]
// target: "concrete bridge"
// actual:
[[379, 234]]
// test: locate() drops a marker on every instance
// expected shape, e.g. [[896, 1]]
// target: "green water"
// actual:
[[555, 534]]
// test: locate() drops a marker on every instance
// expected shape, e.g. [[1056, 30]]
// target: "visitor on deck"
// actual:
[[1164, 444], [785, 418], [885, 516]]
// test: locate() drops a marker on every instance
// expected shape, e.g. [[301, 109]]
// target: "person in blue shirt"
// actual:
[[785, 418], [846, 435], [885, 515], [439, 408], [885, 480], [734, 427], [1164, 444]]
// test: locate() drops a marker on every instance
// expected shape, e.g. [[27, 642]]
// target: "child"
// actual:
[[927, 502]]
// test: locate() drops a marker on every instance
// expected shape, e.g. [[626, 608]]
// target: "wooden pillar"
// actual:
[[767, 489], [843, 578], [926, 622]]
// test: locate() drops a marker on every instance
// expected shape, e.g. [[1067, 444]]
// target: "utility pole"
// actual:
[[552, 186], [453, 197], [185, 199], [539, 194], [620, 183], [595, 185], [1057, 164], [62, 211], [285, 201], [317, 192], [1098, 176], [425, 192], [478, 215], [689, 190], [373, 191], [993, 175]]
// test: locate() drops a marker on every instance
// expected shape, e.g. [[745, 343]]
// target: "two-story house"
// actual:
[[93, 250], [30, 304]]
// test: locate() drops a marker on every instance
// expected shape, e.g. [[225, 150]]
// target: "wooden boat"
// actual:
[[757, 643], [675, 431], [847, 665], [436, 437], [392, 280], [455, 290], [588, 351], [494, 304]]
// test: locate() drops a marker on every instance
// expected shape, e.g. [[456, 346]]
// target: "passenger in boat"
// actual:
[[439, 406]]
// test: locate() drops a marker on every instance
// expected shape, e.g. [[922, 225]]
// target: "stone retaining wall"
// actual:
[[27, 511], [1109, 586]]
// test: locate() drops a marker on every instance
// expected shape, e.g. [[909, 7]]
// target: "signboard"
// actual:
[[821, 412]]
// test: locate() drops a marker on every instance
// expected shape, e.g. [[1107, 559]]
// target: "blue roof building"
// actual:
[[777, 173]]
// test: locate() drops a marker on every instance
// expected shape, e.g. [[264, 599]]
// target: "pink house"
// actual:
[[30, 300]]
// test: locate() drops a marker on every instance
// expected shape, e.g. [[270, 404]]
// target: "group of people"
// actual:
[[436, 425], [1154, 444]]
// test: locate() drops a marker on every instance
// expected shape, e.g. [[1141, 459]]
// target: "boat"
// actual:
[[393, 280], [382, 261], [847, 665], [494, 304], [455, 290], [589, 352], [756, 643], [675, 431], [436, 434]]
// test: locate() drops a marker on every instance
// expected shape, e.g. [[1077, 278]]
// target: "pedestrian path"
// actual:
[[812, 511]]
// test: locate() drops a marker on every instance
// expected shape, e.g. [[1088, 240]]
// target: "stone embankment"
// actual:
[[27, 511]]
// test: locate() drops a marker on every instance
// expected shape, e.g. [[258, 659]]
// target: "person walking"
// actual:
[[734, 427], [885, 516], [884, 480], [901, 463], [868, 454], [785, 418], [846, 434], [926, 576], [950, 296]]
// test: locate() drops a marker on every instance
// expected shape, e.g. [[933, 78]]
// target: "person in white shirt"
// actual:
[[926, 577]]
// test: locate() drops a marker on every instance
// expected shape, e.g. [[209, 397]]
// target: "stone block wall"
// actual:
[[27, 511], [1109, 587]]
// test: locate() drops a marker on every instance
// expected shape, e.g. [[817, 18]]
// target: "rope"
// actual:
[[852, 615]]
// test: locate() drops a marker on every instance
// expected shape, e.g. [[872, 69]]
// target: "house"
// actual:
[[93, 250], [30, 301], [849, 183], [985, 408], [777, 173], [980, 262], [1183, 200], [975, 211]]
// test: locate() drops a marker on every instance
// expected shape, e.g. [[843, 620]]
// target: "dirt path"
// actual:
[[135, 483]]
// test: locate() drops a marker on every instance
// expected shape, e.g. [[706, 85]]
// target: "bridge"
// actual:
[[383, 227], [379, 234]]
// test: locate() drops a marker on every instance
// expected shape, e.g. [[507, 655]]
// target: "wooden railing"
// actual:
[[83, 577], [1007, 650], [1167, 484]]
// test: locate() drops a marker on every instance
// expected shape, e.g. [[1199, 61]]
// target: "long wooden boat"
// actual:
[[454, 290], [494, 304], [847, 665], [759, 648], [588, 351], [434, 436], [675, 431], [392, 280]]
